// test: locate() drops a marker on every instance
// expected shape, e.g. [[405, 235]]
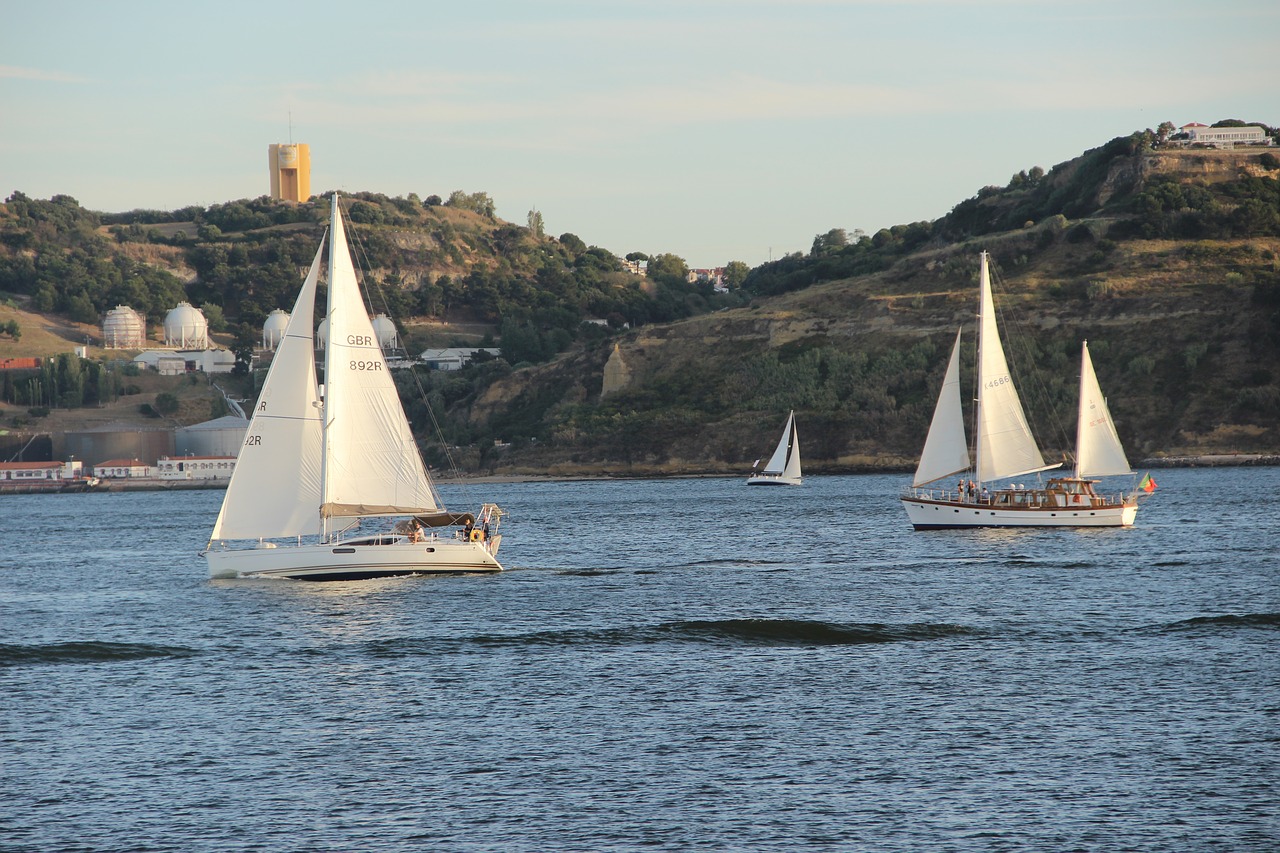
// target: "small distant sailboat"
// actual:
[[314, 464], [1005, 448], [783, 467]]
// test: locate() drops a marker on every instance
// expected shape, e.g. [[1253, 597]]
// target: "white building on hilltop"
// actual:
[[1224, 137]]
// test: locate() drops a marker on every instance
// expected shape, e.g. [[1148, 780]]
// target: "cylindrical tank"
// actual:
[[322, 334], [385, 331], [273, 329], [123, 328], [186, 328]]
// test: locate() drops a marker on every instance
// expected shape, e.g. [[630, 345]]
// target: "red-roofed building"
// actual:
[[30, 472], [121, 468]]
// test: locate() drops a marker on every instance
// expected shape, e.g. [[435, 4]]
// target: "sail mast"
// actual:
[[334, 225]]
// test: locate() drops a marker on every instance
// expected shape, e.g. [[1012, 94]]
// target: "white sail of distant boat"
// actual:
[[783, 467], [1098, 449], [946, 450], [1004, 448], [316, 465]]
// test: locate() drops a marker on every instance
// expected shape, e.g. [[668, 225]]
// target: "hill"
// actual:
[[1165, 258], [1170, 267]]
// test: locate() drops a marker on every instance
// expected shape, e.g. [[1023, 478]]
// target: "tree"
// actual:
[[246, 336], [573, 243], [668, 267], [535, 223], [166, 403], [213, 313], [735, 272], [475, 202]]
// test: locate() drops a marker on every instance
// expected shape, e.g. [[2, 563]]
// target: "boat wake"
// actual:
[[722, 632], [85, 652], [1223, 623]]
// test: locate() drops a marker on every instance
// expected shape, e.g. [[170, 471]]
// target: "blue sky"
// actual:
[[715, 129]]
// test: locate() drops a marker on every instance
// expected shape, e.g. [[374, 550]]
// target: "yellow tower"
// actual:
[[290, 167]]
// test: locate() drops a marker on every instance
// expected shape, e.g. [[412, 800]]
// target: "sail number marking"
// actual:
[[253, 441], [358, 364]]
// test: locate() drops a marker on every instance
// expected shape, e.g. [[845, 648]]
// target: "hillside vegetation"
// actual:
[[1166, 259]]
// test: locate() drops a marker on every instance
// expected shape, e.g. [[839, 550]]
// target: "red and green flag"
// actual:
[[1147, 484]]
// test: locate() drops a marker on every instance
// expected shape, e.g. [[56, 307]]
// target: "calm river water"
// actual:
[[670, 665]]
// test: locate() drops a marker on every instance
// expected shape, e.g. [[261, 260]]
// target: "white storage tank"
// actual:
[[185, 327], [385, 331], [273, 329], [123, 328], [322, 334]]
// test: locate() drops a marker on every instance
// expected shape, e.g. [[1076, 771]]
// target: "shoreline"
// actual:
[[1209, 460]]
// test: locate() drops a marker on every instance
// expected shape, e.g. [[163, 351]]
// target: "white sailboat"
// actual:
[[314, 464], [1004, 448], [783, 467]]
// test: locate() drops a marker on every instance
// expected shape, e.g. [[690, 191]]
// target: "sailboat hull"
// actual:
[[773, 480], [371, 558], [926, 514]]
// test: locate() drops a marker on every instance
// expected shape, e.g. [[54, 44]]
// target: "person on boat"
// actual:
[[960, 490], [466, 533]]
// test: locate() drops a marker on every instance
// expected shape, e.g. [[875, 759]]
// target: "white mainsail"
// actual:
[[1005, 446], [275, 488], [1098, 449], [372, 464], [781, 462], [946, 449]]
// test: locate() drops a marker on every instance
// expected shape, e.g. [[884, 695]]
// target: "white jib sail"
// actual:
[[792, 471], [946, 449], [373, 466], [275, 488], [778, 463], [1098, 449], [1005, 446]]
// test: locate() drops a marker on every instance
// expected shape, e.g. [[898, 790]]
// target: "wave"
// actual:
[[1262, 621], [731, 632], [85, 652]]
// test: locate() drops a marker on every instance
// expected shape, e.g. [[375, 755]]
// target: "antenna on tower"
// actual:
[[290, 127]]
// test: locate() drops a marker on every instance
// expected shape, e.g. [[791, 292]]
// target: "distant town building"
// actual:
[[195, 467], [26, 472], [715, 275], [1224, 137], [635, 267], [290, 167], [453, 358], [178, 362], [19, 363], [120, 469]]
